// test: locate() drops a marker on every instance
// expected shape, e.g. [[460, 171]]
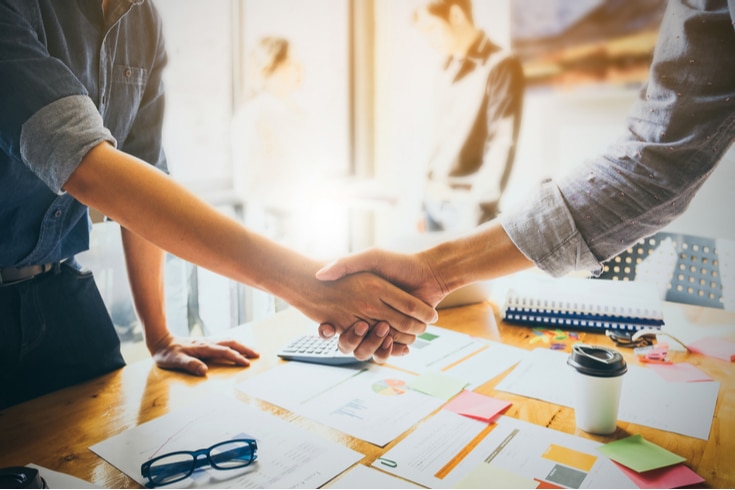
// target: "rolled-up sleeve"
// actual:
[[56, 138], [48, 120], [676, 133], [544, 230]]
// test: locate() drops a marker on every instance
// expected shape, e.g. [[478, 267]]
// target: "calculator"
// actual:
[[312, 348]]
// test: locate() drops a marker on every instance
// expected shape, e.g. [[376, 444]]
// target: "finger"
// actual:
[[181, 362], [220, 353], [383, 352], [351, 337], [400, 322], [196, 367], [213, 351], [402, 338], [327, 331], [416, 314], [241, 348], [399, 349], [372, 342]]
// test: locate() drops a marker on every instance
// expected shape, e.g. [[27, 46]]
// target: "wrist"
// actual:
[[156, 343]]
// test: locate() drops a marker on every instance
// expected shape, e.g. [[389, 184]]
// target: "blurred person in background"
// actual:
[[273, 150], [479, 100]]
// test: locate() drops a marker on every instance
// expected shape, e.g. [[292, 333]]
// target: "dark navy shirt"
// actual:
[[70, 79]]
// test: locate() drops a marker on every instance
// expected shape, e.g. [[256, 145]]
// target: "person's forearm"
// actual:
[[485, 253], [149, 203], [144, 262]]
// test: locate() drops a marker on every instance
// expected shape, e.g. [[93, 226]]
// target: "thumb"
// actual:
[[332, 271], [327, 331], [345, 266]]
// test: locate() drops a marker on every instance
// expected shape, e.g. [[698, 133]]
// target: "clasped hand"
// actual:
[[411, 273]]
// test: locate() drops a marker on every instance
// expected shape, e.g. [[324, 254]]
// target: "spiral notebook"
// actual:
[[584, 304]]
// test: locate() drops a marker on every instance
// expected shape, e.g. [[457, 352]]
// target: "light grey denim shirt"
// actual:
[[677, 131]]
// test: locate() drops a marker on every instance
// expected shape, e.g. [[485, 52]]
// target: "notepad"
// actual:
[[584, 304]]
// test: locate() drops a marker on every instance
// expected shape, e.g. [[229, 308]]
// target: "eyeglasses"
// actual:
[[641, 338], [176, 466]]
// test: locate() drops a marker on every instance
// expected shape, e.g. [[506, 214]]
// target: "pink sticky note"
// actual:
[[680, 371], [477, 406], [718, 347], [678, 475]]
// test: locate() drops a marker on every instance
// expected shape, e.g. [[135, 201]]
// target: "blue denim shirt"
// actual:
[[678, 130], [70, 79]]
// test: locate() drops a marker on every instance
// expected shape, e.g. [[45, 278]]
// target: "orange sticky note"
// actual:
[[570, 457]]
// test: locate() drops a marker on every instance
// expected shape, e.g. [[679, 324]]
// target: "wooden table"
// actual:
[[56, 431]]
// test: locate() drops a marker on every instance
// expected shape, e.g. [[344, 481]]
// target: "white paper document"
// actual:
[[288, 456], [56, 479], [450, 451], [458, 355], [361, 476], [646, 399], [370, 402]]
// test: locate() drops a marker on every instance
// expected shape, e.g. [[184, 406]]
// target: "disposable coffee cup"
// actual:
[[598, 382]]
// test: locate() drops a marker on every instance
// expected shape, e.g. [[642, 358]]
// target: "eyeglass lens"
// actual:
[[174, 467]]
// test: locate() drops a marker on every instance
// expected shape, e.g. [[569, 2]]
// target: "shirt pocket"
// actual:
[[127, 86]]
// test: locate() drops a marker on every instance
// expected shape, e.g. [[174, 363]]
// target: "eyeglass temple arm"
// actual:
[[643, 332]]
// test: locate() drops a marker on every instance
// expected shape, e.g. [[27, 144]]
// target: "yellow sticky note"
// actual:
[[487, 475]]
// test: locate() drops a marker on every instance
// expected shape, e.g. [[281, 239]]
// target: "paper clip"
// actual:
[[388, 462]]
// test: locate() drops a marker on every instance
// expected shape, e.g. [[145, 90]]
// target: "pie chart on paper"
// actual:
[[390, 387]]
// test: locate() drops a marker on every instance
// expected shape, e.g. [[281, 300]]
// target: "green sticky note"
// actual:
[[639, 454], [438, 385]]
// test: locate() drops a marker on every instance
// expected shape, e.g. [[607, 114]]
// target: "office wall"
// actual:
[[199, 91]]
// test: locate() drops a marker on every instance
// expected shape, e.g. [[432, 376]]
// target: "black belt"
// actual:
[[12, 275]]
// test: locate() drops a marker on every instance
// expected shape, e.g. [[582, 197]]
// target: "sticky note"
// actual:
[[570, 457], [486, 475], [639, 454], [438, 385], [477, 406], [720, 348], [676, 476]]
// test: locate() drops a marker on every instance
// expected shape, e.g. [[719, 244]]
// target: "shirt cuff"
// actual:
[[55, 139], [544, 231]]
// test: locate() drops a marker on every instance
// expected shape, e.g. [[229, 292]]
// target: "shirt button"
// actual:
[[57, 213], [128, 73]]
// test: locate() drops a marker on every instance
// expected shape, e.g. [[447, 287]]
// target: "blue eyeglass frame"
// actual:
[[187, 468]]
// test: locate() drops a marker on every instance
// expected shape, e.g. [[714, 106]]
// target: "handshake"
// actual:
[[409, 312], [420, 282]]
